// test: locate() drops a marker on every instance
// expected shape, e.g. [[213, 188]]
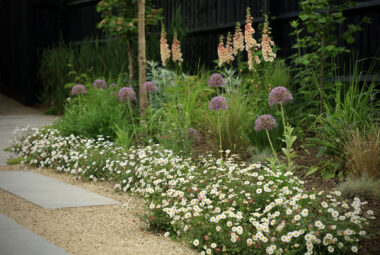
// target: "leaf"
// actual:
[[69, 85], [312, 171], [328, 175]]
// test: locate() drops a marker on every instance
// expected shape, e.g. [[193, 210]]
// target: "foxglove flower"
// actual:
[[218, 103], [265, 121], [194, 135], [164, 48], [267, 43], [225, 51], [238, 39], [280, 95], [216, 80], [78, 89], [100, 84], [250, 42], [126, 93], [176, 50], [150, 86]]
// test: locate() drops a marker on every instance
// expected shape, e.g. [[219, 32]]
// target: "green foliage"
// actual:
[[15, 161], [124, 136], [53, 72], [78, 63], [288, 151], [96, 113], [317, 37], [119, 17], [182, 105], [354, 107], [235, 122]]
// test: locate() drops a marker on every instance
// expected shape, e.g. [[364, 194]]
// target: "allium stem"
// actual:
[[220, 136], [133, 122], [283, 116], [271, 145]]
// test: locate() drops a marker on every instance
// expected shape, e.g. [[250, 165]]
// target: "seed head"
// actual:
[[100, 84], [218, 103], [265, 121], [280, 95], [150, 86], [126, 93], [78, 89], [216, 80]]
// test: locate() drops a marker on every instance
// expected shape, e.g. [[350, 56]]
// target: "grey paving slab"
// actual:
[[47, 192], [12, 115], [17, 240]]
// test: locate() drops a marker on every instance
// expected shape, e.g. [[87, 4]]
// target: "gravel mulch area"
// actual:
[[110, 229]]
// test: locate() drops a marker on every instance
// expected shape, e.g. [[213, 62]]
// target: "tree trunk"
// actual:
[[142, 58], [130, 59]]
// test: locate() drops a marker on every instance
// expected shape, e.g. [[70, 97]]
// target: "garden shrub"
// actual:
[[94, 114]]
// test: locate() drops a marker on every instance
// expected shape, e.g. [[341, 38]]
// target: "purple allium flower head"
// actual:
[[218, 103], [216, 80], [194, 135], [113, 85], [150, 86], [78, 89], [126, 93], [280, 95], [100, 84], [265, 121]]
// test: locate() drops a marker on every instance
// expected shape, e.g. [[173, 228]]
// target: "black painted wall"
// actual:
[[27, 26]]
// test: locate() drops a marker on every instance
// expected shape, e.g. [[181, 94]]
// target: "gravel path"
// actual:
[[112, 229]]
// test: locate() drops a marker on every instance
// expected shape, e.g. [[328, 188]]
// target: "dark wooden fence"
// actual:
[[27, 25]]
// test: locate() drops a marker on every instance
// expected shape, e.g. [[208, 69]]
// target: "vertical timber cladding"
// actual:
[[208, 19], [27, 26], [81, 19]]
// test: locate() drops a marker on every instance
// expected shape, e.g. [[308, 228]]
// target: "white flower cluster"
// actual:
[[217, 206]]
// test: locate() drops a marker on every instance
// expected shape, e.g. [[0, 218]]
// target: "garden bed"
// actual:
[[216, 205]]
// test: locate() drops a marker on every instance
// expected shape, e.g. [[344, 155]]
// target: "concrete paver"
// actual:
[[49, 193], [17, 240], [12, 115]]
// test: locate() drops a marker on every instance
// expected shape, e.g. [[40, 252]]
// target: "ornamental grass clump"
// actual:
[[99, 84], [78, 89], [214, 205], [216, 80]]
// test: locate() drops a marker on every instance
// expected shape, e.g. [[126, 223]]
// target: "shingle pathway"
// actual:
[[41, 190]]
